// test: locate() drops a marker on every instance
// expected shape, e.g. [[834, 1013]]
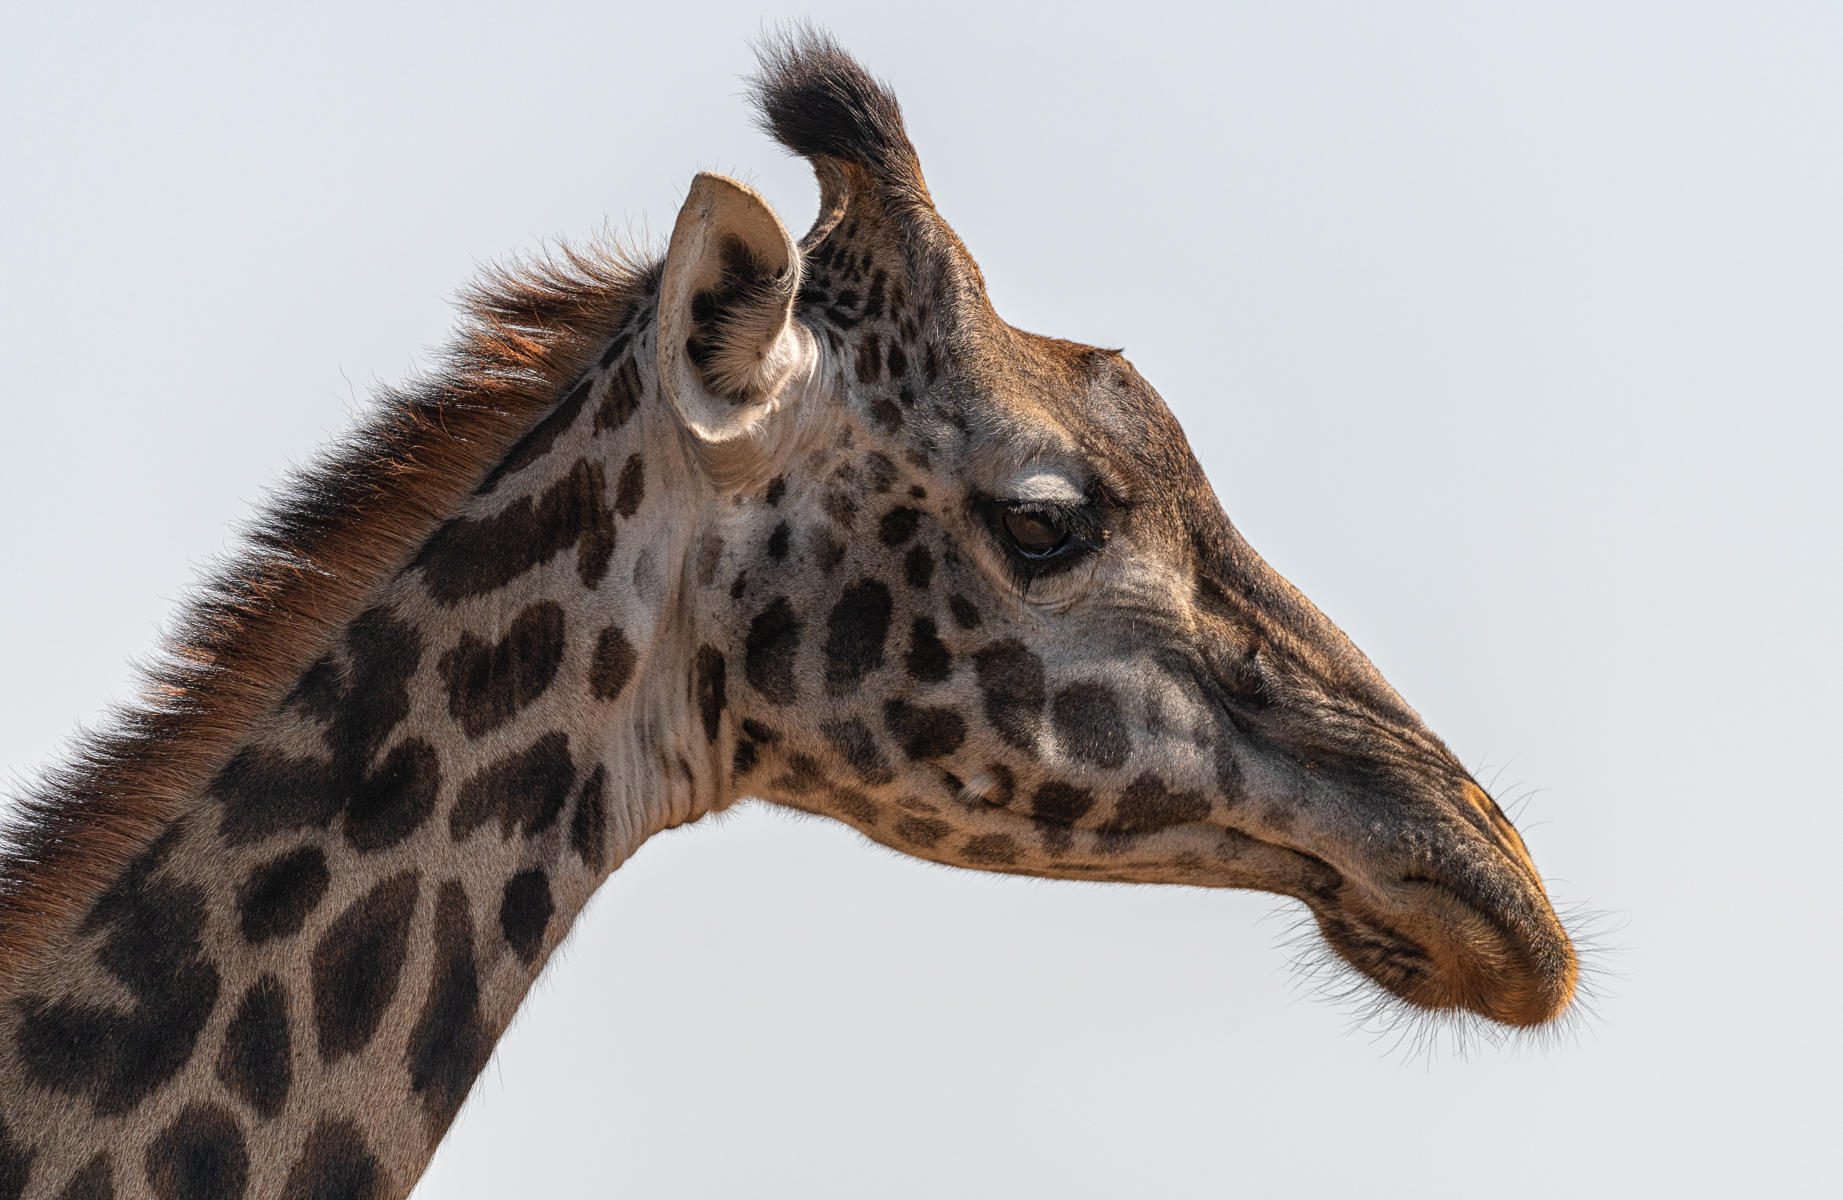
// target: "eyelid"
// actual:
[[1049, 487]]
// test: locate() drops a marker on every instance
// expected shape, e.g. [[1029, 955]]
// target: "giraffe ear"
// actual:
[[729, 347]]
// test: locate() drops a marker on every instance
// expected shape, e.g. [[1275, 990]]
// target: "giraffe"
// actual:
[[804, 521]]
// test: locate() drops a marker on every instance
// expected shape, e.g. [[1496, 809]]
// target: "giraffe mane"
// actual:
[[311, 556]]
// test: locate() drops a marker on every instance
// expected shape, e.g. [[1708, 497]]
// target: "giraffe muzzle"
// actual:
[[1471, 935]]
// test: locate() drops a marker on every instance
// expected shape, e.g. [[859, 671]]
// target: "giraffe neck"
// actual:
[[294, 984]]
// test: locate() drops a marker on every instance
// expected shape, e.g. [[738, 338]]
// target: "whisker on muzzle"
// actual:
[[1413, 1033]]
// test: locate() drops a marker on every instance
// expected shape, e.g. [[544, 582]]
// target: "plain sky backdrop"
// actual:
[[1512, 334]]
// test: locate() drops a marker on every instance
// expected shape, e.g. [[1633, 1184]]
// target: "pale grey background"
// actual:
[[1510, 334]]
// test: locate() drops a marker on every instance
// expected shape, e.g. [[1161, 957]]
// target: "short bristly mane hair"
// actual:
[[310, 560]]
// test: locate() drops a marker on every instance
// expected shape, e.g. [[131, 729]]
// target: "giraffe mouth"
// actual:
[[1455, 944]]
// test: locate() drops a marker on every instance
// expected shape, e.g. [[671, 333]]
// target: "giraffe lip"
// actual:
[[1445, 944]]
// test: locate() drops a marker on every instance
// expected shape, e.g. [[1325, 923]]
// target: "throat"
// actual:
[[293, 985]]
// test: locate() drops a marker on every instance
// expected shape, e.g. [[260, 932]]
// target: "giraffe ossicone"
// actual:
[[797, 520]]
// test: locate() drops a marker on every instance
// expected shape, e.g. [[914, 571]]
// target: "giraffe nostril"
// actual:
[[1485, 815]]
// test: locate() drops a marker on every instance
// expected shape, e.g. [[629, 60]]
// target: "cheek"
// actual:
[[1089, 713], [1072, 737], [1105, 728], [900, 670]]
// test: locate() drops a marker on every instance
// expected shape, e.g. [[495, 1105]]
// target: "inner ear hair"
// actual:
[[735, 320]]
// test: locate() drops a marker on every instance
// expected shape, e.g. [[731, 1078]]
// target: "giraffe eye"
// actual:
[[1041, 537], [1035, 534]]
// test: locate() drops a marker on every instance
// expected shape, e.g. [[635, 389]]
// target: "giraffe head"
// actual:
[[967, 589]]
